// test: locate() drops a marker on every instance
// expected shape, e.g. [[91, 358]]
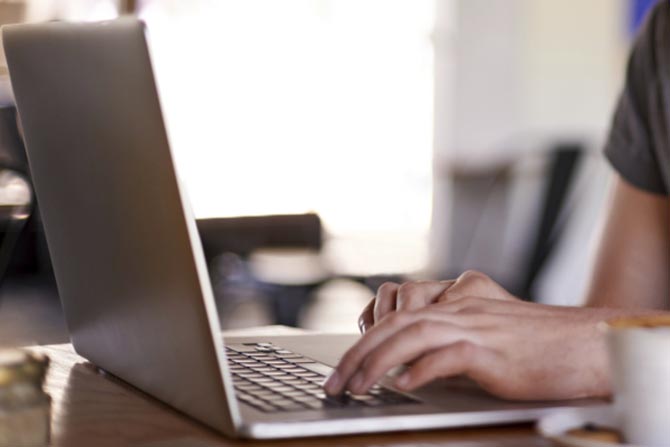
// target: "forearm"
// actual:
[[632, 266]]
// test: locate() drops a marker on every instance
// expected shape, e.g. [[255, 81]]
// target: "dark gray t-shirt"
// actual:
[[639, 141]]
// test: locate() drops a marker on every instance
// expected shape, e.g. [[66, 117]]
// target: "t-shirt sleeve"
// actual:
[[630, 145]]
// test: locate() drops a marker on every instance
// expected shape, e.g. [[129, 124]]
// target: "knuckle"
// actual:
[[386, 288], [474, 276], [413, 293], [470, 273], [466, 350], [408, 288], [424, 328], [397, 318], [429, 367]]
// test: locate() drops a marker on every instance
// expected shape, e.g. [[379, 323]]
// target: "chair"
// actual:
[[248, 256]]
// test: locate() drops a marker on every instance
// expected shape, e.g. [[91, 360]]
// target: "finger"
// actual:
[[366, 320], [410, 343], [408, 296], [444, 295], [417, 294], [354, 357], [459, 358], [385, 300]]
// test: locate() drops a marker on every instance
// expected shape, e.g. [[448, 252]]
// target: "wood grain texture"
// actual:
[[91, 408]]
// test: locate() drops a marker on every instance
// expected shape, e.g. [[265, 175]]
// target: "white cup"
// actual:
[[639, 353]]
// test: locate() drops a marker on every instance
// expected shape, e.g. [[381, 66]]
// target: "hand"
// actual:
[[392, 297], [511, 348]]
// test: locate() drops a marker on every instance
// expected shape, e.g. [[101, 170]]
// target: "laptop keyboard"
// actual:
[[272, 379]]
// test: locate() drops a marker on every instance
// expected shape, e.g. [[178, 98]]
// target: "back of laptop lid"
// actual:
[[125, 251]]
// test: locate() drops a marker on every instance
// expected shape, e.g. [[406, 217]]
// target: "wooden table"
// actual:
[[93, 409]]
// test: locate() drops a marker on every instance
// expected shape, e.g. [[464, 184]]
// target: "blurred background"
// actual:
[[330, 145]]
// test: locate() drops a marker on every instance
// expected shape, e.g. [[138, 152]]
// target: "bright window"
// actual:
[[302, 105]]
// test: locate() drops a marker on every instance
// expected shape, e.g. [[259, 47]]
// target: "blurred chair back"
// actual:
[[512, 221]]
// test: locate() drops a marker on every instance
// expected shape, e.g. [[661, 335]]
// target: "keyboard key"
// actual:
[[296, 381], [280, 401], [307, 374], [290, 406], [246, 361], [277, 384], [289, 357], [285, 366], [247, 374], [247, 387], [282, 389], [293, 369], [241, 348], [305, 398], [260, 356], [273, 397], [297, 394], [277, 374], [261, 380], [278, 363], [264, 349], [262, 392], [301, 360]]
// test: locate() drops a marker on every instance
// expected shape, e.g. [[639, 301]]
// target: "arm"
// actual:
[[512, 348], [632, 267]]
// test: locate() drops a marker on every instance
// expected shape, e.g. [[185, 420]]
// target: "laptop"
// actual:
[[130, 268]]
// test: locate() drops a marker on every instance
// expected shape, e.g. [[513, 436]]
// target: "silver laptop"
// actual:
[[130, 268]]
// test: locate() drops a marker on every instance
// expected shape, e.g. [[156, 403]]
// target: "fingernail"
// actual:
[[356, 383], [361, 325], [402, 381], [332, 385]]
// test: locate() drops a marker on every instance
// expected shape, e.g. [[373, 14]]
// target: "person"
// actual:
[[519, 350]]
